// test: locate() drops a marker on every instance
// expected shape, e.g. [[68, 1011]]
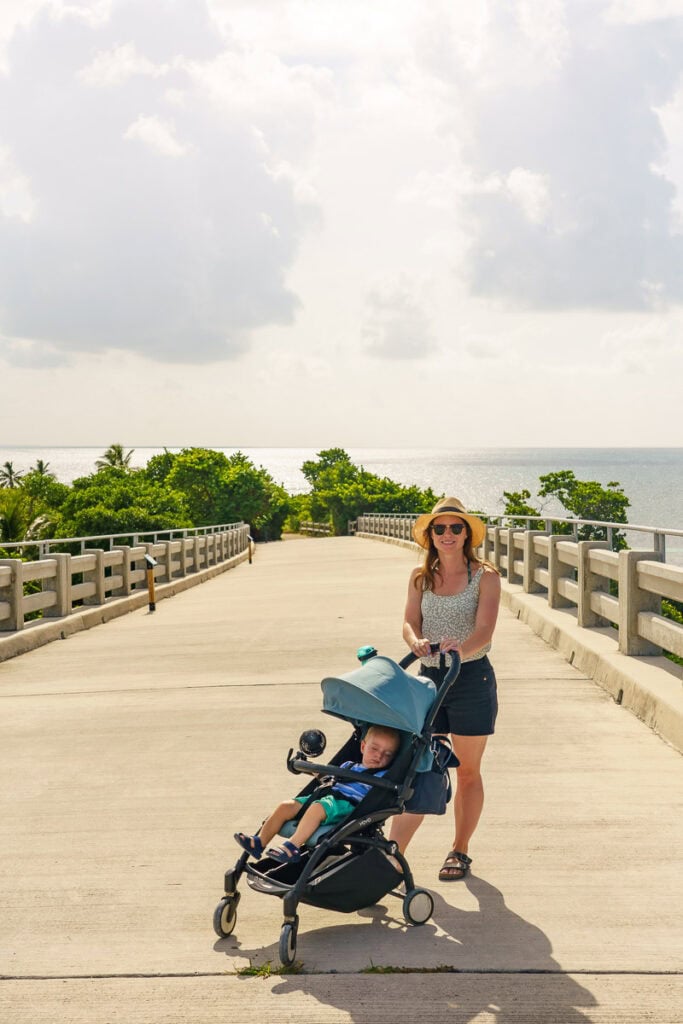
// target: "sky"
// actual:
[[395, 223]]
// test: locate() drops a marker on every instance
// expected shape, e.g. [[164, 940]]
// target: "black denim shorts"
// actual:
[[471, 707]]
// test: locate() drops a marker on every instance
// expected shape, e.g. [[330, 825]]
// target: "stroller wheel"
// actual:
[[225, 916], [418, 906], [288, 944]]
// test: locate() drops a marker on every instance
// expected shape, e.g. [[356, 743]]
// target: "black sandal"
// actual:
[[455, 866]]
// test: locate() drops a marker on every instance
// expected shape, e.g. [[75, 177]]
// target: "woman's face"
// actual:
[[443, 537]]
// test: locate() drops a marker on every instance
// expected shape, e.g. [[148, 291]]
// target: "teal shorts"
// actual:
[[335, 807]]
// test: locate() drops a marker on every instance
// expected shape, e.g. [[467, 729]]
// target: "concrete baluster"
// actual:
[[60, 583], [95, 576], [513, 576], [532, 561], [486, 545], [589, 583], [633, 600], [14, 595], [124, 571], [168, 560], [557, 570], [184, 547], [495, 547]]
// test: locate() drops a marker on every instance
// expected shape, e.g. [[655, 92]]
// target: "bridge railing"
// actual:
[[623, 589], [58, 583]]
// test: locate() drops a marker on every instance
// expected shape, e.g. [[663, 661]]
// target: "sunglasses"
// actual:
[[440, 528]]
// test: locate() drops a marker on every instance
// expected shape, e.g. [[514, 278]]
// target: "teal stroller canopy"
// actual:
[[381, 693]]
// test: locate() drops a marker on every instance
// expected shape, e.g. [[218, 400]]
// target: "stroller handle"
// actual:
[[434, 647]]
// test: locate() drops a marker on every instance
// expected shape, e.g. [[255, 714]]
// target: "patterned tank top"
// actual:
[[452, 616]]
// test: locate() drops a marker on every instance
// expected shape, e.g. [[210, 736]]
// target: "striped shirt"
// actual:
[[353, 791]]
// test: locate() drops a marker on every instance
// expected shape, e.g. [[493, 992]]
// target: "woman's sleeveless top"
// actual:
[[452, 616]]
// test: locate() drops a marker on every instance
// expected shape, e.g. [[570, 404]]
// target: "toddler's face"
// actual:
[[378, 750]]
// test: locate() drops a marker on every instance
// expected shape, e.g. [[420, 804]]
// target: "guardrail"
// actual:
[[68, 582], [316, 529], [624, 589]]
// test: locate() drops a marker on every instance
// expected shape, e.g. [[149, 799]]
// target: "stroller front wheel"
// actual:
[[225, 917], [418, 906], [288, 944]]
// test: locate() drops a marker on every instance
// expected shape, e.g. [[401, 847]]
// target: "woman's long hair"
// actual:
[[425, 579]]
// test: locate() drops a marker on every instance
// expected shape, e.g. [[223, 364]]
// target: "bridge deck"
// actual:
[[131, 752]]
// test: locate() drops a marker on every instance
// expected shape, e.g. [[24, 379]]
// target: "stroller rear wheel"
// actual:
[[225, 916], [418, 906], [288, 943]]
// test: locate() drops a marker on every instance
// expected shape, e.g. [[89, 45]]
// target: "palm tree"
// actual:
[[116, 456], [12, 518], [17, 522], [41, 469], [9, 476]]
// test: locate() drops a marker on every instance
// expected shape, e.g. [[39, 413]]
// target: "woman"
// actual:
[[453, 599]]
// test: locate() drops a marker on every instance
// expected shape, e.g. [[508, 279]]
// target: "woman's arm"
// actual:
[[412, 620], [485, 620]]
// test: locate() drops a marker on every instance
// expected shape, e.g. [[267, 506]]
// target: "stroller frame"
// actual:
[[317, 878]]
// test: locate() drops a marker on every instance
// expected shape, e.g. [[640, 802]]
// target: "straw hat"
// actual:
[[446, 505]]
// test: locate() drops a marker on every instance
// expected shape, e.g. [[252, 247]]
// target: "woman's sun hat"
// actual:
[[442, 508]]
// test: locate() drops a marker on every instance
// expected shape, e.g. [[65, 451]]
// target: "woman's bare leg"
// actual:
[[469, 794], [403, 828]]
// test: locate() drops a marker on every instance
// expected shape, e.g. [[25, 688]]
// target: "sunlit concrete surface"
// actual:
[[131, 752]]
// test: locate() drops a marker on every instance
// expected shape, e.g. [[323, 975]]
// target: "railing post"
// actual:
[[495, 553], [168, 559], [15, 596], [513, 576], [486, 544], [125, 589], [95, 576], [184, 547], [61, 585], [633, 600], [557, 570], [532, 562], [589, 583], [195, 553]]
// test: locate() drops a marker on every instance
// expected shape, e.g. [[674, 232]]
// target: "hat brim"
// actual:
[[423, 522]]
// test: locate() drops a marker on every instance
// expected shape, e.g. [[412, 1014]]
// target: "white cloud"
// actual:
[[530, 191], [651, 346], [178, 258], [396, 326], [633, 12], [16, 199], [157, 134], [338, 197], [114, 66]]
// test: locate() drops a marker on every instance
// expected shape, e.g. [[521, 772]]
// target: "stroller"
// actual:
[[350, 865]]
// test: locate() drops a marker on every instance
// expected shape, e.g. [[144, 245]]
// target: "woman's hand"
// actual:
[[420, 647], [451, 645]]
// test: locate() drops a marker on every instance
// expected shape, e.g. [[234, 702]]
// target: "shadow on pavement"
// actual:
[[495, 962]]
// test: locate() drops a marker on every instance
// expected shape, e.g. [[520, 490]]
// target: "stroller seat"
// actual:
[[289, 828]]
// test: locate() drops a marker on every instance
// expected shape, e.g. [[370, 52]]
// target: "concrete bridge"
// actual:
[[132, 751]]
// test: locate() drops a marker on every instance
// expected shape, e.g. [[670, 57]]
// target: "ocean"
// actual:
[[651, 477]]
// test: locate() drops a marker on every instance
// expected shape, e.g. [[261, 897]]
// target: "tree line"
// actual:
[[203, 487]]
